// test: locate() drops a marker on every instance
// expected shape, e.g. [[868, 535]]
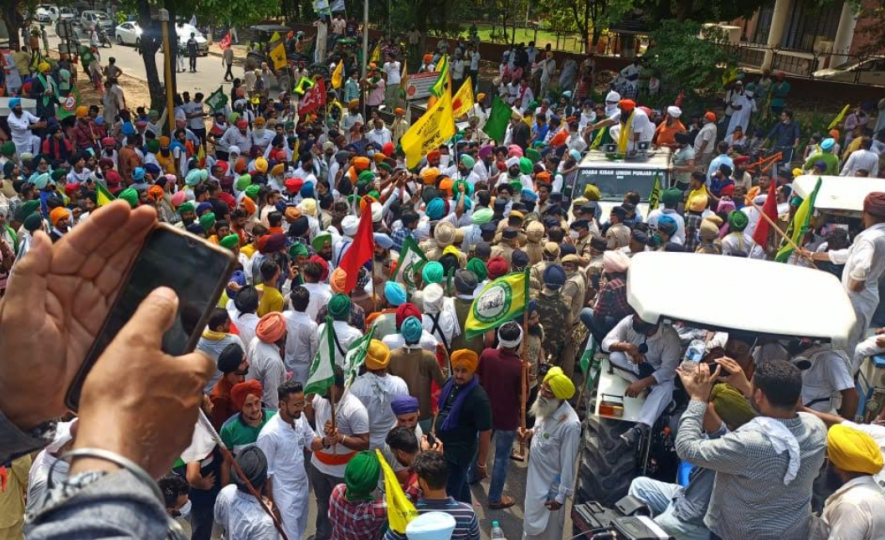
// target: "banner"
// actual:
[[434, 128], [418, 85], [313, 99], [500, 301]]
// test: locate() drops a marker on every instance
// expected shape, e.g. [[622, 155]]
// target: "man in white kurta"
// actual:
[[302, 338], [282, 440], [20, 124], [236, 510], [555, 442], [376, 389], [864, 264], [266, 366]]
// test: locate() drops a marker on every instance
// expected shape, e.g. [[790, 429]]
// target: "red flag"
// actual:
[[225, 42], [314, 98], [760, 235], [361, 250]]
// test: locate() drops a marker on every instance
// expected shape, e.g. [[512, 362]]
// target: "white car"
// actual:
[[129, 33], [46, 14], [869, 71]]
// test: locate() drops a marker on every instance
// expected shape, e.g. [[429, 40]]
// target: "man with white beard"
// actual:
[[555, 440]]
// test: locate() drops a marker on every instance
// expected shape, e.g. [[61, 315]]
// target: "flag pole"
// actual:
[[249, 487], [782, 234], [523, 397]]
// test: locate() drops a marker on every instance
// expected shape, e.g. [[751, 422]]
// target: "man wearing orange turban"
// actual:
[[243, 429], [465, 416], [337, 280], [60, 219], [376, 389], [265, 356]]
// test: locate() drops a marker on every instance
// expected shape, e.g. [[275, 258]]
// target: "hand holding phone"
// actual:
[[56, 304]]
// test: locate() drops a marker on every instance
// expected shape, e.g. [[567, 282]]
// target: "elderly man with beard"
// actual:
[[555, 441]]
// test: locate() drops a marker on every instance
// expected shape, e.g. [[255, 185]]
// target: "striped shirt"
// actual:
[[749, 497], [466, 524]]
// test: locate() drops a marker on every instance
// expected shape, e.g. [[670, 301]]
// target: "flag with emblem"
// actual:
[[411, 258], [435, 127], [314, 98], [70, 104], [102, 195], [225, 42], [356, 357], [655, 197], [322, 374], [278, 56], [462, 101], [500, 301], [217, 100], [338, 76]]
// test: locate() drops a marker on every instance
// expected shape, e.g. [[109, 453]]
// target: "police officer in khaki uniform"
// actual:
[[580, 236], [549, 256], [509, 243], [618, 234]]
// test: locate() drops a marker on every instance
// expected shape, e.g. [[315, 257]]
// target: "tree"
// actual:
[[589, 17], [658, 11], [689, 58]]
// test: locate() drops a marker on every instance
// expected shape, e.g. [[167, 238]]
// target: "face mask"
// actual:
[[370, 152], [185, 510], [610, 109], [573, 235]]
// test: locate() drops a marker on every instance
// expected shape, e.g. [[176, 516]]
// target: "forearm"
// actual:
[[116, 505], [356, 443], [485, 438]]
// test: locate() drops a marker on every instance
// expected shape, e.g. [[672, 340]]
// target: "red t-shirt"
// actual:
[[500, 374]]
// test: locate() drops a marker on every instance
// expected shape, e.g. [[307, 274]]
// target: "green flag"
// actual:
[[217, 100], [356, 356], [439, 87], [655, 197], [799, 226], [69, 104], [411, 258], [322, 374], [496, 126], [304, 84], [500, 301]]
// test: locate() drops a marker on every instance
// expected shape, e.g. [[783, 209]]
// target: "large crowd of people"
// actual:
[[443, 407]]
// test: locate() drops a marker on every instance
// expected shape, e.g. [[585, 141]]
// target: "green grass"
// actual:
[[569, 42]]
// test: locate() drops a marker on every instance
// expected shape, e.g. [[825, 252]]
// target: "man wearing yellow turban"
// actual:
[[556, 439], [376, 389], [464, 416], [855, 509]]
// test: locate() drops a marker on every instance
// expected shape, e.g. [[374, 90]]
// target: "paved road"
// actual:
[[209, 75]]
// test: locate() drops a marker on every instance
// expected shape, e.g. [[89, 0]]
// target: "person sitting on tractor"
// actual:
[[647, 354]]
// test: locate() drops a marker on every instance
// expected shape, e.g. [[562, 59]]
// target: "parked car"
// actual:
[[96, 18], [46, 14], [66, 13], [128, 33], [869, 71]]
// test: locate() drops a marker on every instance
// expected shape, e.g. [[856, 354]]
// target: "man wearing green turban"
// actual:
[[737, 242], [339, 307], [366, 177], [231, 242], [243, 182], [252, 191], [361, 476], [356, 497], [525, 165], [478, 267], [207, 222], [432, 273], [129, 195]]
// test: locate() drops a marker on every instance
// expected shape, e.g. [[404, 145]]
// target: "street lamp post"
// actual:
[[167, 65]]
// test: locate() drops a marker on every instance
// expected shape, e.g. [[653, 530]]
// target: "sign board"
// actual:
[[418, 85]]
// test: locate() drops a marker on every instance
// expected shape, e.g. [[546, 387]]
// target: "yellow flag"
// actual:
[[400, 510], [376, 54], [275, 37], [278, 55], [462, 101], [103, 196], [434, 128], [500, 301], [338, 76], [839, 117]]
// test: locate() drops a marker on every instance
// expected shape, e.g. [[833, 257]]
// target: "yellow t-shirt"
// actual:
[[248, 250], [271, 300]]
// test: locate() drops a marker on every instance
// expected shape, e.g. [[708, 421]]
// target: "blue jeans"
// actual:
[[503, 446], [659, 498]]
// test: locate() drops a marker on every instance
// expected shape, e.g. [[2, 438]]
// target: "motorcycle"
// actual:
[[103, 38]]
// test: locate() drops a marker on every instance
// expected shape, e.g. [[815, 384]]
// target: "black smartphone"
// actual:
[[195, 269]]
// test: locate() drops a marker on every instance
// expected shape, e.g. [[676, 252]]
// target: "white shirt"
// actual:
[[266, 367], [352, 418], [282, 444], [302, 341], [246, 324], [861, 159], [376, 393], [708, 134], [320, 294], [426, 342], [379, 136], [20, 127], [345, 335], [664, 347], [656, 214], [828, 375], [393, 71], [854, 511], [474, 62], [198, 122], [241, 516]]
